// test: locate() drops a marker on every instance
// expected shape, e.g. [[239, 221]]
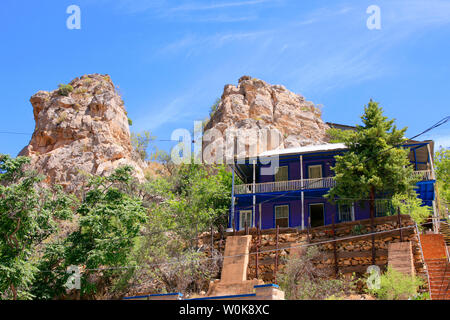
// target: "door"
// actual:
[[316, 214]]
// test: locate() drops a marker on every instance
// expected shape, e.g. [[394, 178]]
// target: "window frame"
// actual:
[[278, 170], [242, 223], [275, 214], [352, 211], [387, 206], [315, 165]]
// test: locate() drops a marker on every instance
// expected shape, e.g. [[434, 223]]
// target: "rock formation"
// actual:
[[255, 104], [81, 130]]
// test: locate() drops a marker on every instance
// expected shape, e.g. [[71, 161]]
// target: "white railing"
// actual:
[[308, 184], [425, 175]]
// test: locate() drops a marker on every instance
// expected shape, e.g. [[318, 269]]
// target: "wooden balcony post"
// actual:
[[254, 191], [302, 194], [399, 220], [276, 255]]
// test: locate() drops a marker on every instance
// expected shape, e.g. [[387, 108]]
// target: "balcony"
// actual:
[[308, 184]]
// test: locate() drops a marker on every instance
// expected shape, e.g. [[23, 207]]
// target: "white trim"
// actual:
[[275, 213], [305, 149], [315, 166], [278, 170], [241, 223]]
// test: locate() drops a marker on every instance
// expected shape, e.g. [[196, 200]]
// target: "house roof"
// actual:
[[305, 149]]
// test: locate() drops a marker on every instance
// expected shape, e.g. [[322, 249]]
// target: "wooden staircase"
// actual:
[[439, 272], [434, 251]]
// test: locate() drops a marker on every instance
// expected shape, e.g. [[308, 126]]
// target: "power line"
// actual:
[[434, 126]]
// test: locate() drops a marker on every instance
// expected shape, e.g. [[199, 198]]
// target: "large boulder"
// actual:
[[81, 132], [254, 105]]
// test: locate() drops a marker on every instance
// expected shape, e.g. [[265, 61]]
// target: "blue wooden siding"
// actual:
[[268, 201]]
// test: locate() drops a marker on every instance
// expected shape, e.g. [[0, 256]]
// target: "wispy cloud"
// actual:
[[192, 44], [220, 5]]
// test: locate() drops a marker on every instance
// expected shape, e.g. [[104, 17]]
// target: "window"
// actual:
[[282, 216], [245, 218], [282, 174], [346, 212], [315, 172], [383, 208]]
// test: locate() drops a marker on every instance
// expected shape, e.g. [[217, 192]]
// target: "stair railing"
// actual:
[[423, 259]]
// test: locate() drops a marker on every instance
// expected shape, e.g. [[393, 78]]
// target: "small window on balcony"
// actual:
[[383, 208], [245, 219], [282, 174], [315, 172], [346, 212], [282, 216]]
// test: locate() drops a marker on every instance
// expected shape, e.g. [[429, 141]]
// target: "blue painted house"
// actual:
[[294, 195]]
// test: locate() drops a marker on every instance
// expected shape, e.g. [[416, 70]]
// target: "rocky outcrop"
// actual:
[[82, 130], [256, 105]]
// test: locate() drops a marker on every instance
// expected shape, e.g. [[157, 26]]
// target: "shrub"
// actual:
[[395, 285], [302, 280], [65, 89]]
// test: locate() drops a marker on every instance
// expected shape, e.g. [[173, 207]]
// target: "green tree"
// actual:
[[110, 220], [140, 142], [442, 164], [374, 165], [28, 217], [412, 206]]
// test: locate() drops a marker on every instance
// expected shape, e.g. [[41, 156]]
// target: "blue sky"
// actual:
[[171, 59]]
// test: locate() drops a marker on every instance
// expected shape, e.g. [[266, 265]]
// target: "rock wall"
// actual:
[[79, 132], [354, 255]]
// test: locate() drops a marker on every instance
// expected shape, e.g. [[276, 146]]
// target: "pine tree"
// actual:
[[375, 164]]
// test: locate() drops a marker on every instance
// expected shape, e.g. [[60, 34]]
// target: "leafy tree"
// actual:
[[442, 163], [140, 142], [412, 206], [110, 220], [374, 165], [28, 217]]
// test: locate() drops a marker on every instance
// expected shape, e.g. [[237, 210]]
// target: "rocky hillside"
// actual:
[[255, 104], [81, 128]]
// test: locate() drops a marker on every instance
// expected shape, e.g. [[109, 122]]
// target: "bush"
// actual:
[[65, 89], [302, 280], [395, 285]]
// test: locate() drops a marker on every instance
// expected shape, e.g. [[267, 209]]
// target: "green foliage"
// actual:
[[374, 164], [214, 107], [28, 213], [111, 220], [65, 89], [109, 223], [212, 110], [411, 206], [300, 279], [442, 164], [357, 230], [337, 135], [196, 197], [130, 122], [396, 286], [140, 142]]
